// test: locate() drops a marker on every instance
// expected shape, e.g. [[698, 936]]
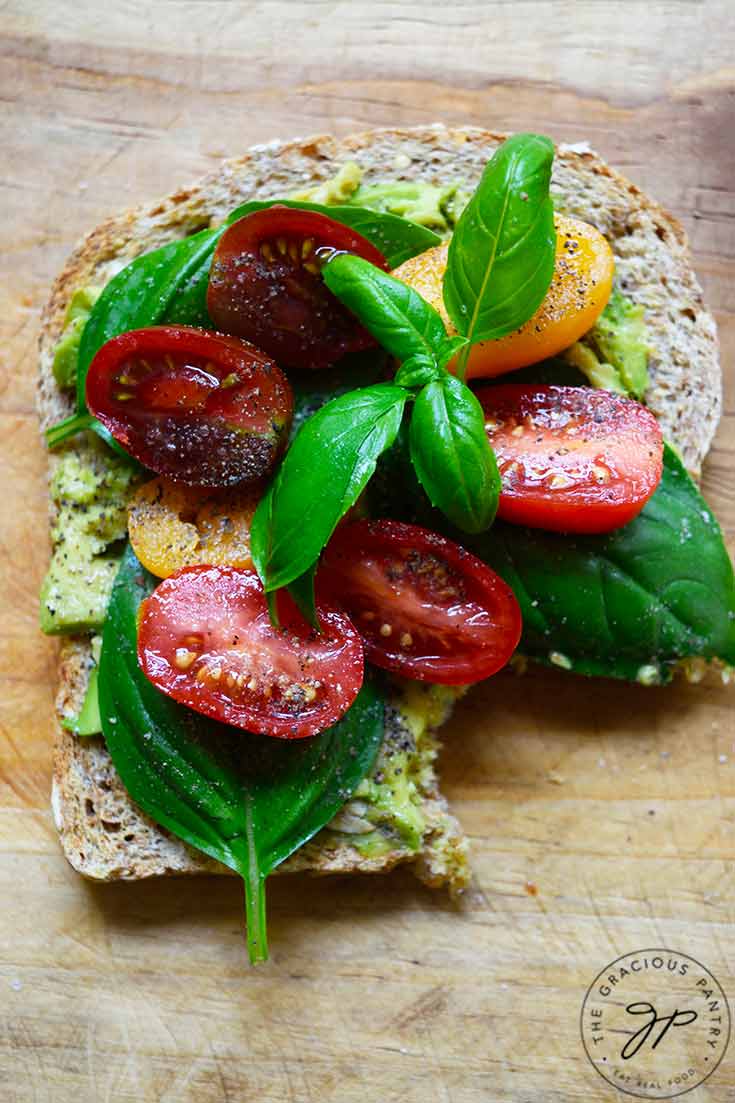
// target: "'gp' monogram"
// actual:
[[677, 1018]]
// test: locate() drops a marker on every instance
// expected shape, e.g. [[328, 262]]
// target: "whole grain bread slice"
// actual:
[[104, 835]]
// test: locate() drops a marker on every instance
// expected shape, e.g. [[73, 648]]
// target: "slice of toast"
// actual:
[[104, 835]]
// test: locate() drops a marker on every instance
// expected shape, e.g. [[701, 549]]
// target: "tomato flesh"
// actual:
[[424, 606], [203, 409], [265, 285], [206, 640], [571, 459]]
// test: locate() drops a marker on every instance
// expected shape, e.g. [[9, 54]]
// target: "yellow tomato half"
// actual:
[[172, 526], [579, 291]]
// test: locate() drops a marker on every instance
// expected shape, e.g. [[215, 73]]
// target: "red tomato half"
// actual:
[[206, 639], [265, 285], [205, 410], [425, 607], [571, 459]]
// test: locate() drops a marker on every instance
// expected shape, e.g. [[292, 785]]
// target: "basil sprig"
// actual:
[[246, 800], [449, 446], [501, 254]]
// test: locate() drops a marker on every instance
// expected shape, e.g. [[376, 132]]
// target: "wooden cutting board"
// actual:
[[602, 817]]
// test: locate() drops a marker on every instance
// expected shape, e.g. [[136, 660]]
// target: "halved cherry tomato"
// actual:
[[206, 639], [172, 526], [579, 291], [571, 459], [204, 409], [265, 285], [425, 607]]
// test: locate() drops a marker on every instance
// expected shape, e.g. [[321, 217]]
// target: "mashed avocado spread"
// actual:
[[436, 207], [67, 350], [614, 354], [89, 490]]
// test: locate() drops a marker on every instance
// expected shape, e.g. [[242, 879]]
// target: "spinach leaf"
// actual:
[[325, 470], [501, 255], [634, 600], [395, 237], [452, 455], [313, 389], [142, 293], [247, 801], [627, 604]]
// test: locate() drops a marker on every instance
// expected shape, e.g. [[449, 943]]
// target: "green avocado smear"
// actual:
[[435, 206], [89, 490]]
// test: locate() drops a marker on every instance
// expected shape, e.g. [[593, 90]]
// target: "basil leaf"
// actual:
[[142, 293], [324, 472], [452, 455], [396, 315], [501, 255], [395, 237], [634, 600], [246, 800], [417, 371], [449, 348]]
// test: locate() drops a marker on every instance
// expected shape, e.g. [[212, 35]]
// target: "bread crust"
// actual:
[[104, 835]]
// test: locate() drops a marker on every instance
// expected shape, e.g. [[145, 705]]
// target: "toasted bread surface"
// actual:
[[104, 835]]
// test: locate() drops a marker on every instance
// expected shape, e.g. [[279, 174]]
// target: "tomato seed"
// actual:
[[184, 658], [385, 630]]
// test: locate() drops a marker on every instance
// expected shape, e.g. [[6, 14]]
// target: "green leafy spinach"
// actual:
[[631, 603]]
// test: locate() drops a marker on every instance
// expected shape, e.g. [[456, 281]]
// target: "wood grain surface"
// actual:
[[602, 817]]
